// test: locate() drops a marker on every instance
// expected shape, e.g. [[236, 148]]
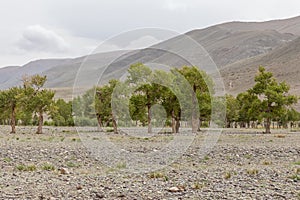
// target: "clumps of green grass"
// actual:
[[227, 175], [266, 162], [297, 163], [158, 175], [252, 171], [121, 165], [48, 167], [197, 185], [23, 167], [7, 159], [248, 156], [206, 158], [72, 164]]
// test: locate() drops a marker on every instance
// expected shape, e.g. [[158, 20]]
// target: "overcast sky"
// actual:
[[35, 29]]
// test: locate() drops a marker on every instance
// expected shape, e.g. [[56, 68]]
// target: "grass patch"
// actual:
[[72, 164], [248, 156], [297, 163], [121, 165], [267, 162], [158, 175], [7, 159], [22, 167], [206, 158], [227, 175], [48, 167], [197, 185], [252, 171]]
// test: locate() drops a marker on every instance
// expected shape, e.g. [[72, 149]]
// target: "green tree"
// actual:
[[142, 75], [37, 98], [61, 113], [248, 108], [9, 102], [273, 96], [232, 109], [103, 104], [202, 86]]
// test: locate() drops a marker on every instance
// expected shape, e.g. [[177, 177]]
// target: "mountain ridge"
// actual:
[[234, 46]]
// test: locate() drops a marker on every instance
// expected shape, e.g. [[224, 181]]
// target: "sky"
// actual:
[[35, 29]]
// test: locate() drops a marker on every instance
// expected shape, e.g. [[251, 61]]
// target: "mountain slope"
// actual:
[[284, 62], [291, 25], [237, 48]]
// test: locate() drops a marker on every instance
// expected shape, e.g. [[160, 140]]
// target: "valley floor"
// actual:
[[57, 165]]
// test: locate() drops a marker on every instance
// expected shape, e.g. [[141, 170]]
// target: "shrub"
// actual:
[[48, 167]]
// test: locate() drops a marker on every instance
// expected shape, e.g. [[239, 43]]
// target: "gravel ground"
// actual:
[[56, 165]]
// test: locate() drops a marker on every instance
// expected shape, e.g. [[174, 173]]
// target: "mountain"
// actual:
[[291, 25], [237, 48], [284, 62]]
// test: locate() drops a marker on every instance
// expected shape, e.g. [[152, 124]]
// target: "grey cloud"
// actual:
[[38, 38]]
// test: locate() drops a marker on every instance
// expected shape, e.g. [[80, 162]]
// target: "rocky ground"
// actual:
[[57, 165]]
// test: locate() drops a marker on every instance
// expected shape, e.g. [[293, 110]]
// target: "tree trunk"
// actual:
[[267, 126], [13, 120], [199, 124], [100, 124], [177, 124], [40, 125], [114, 123], [194, 112], [173, 122], [149, 119]]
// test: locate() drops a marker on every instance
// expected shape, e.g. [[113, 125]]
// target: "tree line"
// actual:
[[29, 103], [266, 102]]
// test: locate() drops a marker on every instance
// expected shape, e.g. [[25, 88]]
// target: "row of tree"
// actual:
[[265, 102], [149, 97], [29, 103], [134, 100]]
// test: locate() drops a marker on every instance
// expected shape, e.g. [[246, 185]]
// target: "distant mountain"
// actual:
[[284, 62], [291, 25], [237, 48]]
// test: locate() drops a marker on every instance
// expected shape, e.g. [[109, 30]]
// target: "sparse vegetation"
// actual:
[[48, 167], [7, 159], [198, 185], [227, 175], [267, 162], [23, 167], [121, 165], [72, 164], [297, 163], [158, 175], [252, 171]]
